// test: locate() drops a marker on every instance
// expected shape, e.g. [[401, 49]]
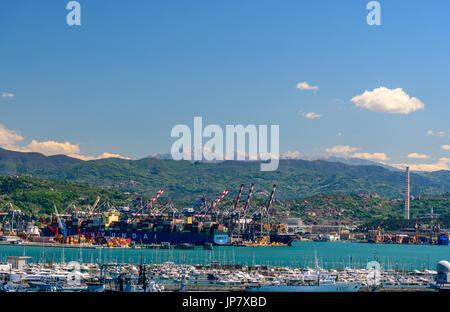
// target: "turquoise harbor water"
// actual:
[[336, 255]]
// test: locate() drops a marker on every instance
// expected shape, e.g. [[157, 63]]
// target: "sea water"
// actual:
[[337, 255]]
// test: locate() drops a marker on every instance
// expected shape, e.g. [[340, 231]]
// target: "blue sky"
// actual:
[[134, 69]]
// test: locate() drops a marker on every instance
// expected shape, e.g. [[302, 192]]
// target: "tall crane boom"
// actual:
[[224, 193], [60, 224], [248, 197], [156, 196], [269, 203], [95, 204], [152, 200], [238, 198]]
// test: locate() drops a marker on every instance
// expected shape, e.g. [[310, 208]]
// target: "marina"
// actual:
[[331, 255], [302, 267], [19, 276]]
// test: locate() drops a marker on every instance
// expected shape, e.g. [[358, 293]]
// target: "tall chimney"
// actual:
[[407, 195]]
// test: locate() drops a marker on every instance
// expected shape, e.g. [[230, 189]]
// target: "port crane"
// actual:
[[247, 206], [71, 209], [10, 214], [104, 207], [212, 206], [149, 204], [236, 203], [236, 212], [61, 225], [200, 205], [233, 212], [269, 203], [151, 201], [135, 203], [91, 210], [171, 209]]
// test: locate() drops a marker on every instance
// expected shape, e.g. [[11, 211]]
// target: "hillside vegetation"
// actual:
[[36, 197], [186, 181]]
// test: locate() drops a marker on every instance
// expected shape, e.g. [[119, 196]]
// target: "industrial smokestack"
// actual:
[[407, 195]]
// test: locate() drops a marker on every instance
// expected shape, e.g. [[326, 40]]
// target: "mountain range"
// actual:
[[186, 181]]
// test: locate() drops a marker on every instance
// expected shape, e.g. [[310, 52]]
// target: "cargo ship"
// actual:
[[155, 229], [196, 225]]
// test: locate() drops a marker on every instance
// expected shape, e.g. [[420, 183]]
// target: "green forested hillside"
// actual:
[[366, 207], [22, 163], [186, 181], [36, 197]]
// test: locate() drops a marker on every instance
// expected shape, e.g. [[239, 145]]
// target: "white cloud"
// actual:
[[305, 86], [442, 134], [312, 115], [7, 94], [339, 134], [341, 149], [348, 151], [291, 155], [418, 156], [9, 137], [385, 100], [109, 155], [445, 147], [51, 148], [378, 156], [441, 164]]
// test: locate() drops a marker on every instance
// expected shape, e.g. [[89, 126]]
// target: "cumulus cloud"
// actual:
[[378, 156], [341, 149], [442, 164], [418, 156], [51, 148], [291, 155], [7, 95], [109, 155], [348, 151], [385, 100], [102, 156], [430, 132], [306, 86], [9, 137], [445, 147]]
